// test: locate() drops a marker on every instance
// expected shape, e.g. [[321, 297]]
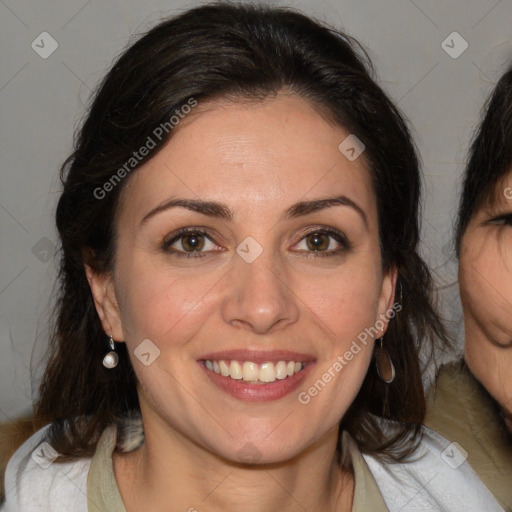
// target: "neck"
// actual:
[[171, 469]]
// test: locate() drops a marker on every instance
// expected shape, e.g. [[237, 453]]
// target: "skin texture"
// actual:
[[485, 277], [258, 159]]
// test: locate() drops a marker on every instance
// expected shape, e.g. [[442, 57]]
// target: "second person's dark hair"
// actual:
[[490, 157]]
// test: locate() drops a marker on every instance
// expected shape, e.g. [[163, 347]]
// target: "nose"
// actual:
[[259, 297]]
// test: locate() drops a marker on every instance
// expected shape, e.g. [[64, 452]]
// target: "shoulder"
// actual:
[[454, 382], [436, 477], [458, 401], [35, 483], [462, 410]]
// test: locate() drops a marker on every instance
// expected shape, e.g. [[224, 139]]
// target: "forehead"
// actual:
[[258, 154], [499, 196]]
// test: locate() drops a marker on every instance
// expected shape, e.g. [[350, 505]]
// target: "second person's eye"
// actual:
[[502, 220]]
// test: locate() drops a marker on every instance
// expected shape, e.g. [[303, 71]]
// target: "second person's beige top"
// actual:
[[460, 409]]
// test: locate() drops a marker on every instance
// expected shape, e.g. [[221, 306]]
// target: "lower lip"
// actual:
[[258, 392]]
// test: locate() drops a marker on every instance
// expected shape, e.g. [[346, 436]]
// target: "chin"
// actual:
[[254, 450]]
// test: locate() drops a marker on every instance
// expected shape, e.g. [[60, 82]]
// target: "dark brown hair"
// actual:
[[490, 157], [249, 52]]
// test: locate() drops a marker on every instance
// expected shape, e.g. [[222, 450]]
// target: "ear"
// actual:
[[105, 301], [386, 299]]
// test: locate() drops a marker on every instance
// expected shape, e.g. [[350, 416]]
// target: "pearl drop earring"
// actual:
[[111, 359]]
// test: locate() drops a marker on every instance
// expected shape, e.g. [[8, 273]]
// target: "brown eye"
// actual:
[[317, 241], [192, 242], [324, 242]]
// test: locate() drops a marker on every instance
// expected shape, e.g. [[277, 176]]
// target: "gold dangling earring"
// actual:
[[385, 368], [111, 359]]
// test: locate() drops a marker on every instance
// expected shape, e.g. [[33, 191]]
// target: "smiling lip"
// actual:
[[258, 356], [249, 392]]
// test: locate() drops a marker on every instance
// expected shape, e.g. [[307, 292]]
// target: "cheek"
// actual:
[[492, 366], [350, 300], [486, 290], [344, 307], [159, 305], [170, 306]]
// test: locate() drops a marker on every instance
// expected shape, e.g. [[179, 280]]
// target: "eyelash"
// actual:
[[336, 235], [502, 220]]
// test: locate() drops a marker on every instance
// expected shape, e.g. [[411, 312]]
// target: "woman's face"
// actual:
[[485, 277], [275, 289]]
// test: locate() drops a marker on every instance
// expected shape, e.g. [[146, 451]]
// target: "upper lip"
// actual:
[[257, 356]]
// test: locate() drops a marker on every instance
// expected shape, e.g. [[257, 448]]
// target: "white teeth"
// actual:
[[267, 372], [250, 371], [281, 370], [224, 368], [254, 372], [235, 370]]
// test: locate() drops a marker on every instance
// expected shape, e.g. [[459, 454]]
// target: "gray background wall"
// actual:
[[42, 100]]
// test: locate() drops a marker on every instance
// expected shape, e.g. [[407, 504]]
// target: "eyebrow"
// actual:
[[222, 211]]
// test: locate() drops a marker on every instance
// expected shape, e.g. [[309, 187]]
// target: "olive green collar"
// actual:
[[103, 493]]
